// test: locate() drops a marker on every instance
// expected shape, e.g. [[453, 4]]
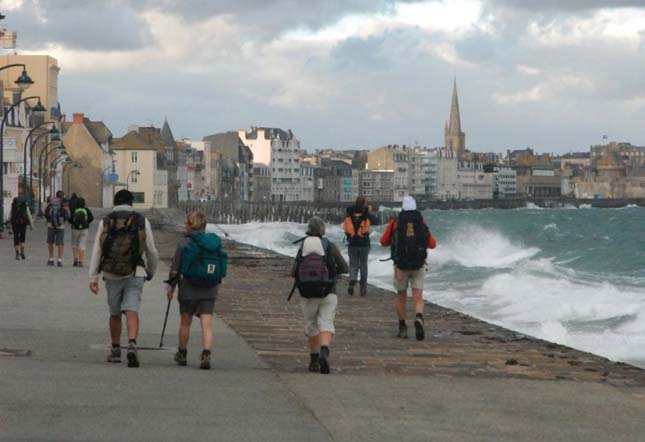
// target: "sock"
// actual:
[[116, 345], [324, 351], [132, 341], [401, 323], [206, 352], [420, 317]]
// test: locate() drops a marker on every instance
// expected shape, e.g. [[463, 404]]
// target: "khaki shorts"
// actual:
[[319, 314], [79, 238], [412, 278]]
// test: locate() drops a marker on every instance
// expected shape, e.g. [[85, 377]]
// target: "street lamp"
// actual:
[[127, 179], [62, 158], [54, 133], [24, 81], [38, 110], [49, 148]]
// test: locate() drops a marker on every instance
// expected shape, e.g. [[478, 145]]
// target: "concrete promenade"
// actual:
[[55, 385]]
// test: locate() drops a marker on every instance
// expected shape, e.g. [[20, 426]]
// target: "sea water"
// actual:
[[571, 276]]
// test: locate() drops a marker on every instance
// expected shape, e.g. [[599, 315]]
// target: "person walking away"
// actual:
[[56, 215], [316, 267], [81, 219], [357, 224], [124, 250], [73, 203], [198, 266], [409, 238], [20, 218]]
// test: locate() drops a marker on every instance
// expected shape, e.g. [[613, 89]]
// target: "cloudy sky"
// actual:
[[554, 75]]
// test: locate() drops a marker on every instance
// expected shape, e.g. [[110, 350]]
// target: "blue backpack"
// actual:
[[203, 262]]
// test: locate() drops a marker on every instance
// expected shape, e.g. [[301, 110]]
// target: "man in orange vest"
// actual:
[[357, 225]]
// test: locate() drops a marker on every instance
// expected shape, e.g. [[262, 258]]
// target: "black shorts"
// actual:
[[19, 233], [198, 307]]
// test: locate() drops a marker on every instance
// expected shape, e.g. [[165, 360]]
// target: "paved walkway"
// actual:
[[63, 390]]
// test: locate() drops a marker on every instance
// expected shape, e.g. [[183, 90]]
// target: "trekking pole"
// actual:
[[293, 289], [163, 331]]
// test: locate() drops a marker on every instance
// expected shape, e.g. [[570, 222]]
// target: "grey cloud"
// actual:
[[94, 25], [566, 5]]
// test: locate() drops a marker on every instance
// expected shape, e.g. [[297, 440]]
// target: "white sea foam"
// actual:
[[512, 285]]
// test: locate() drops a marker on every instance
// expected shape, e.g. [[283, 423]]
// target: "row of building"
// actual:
[[266, 164]]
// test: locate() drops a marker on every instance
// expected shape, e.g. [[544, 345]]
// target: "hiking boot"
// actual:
[[133, 356], [60, 263], [403, 331], [50, 262], [324, 360], [115, 355], [80, 264], [314, 363], [180, 358], [205, 363], [350, 288], [364, 289], [75, 263], [22, 255], [418, 329], [17, 256]]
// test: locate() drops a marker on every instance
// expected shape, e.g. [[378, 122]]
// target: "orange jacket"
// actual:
[[388, 236]]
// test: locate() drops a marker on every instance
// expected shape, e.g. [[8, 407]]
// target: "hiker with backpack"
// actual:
[[409, 238], [315, 269], [81, 219], [56, 214], [357, 224], [124, 250], [20, 218], [198, 266]]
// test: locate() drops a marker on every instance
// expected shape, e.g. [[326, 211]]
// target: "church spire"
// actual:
[[455, 139], [455, 121]]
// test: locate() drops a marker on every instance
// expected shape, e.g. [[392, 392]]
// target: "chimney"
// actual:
[[77, 118]]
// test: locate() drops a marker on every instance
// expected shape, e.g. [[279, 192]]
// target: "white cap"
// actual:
[[409, 203]]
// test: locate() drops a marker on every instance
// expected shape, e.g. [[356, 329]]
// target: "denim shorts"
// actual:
[[55, 236], [124, 295]]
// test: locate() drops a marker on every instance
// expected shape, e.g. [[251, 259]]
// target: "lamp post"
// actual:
[[41, 188], [54, 137], [63, 157], [53, 132], [127, 179], [39, 109], [75, 165]]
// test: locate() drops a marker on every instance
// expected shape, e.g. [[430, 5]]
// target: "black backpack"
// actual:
[[410, 245], [315, 274], [20, 213]]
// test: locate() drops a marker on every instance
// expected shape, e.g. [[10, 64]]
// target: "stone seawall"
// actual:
[[244, 212]]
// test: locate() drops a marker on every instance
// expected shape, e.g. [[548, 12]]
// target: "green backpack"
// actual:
[[203, 262]]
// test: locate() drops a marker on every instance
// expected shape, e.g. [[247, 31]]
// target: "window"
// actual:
[[139, 197], [134, 178], [134, 157]]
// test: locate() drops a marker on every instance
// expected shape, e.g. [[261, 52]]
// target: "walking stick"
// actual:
[[164, 324]]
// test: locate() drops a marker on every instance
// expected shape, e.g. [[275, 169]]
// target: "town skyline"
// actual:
[[377, 72]]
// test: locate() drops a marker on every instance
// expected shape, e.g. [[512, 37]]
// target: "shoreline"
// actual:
[[458, 344]]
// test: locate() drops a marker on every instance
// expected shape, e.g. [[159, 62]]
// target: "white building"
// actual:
[[280, 150], [423, 171], [473, 183], [505, 184], [447, 186]]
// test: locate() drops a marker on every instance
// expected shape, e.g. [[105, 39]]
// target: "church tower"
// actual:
[[455, 139]]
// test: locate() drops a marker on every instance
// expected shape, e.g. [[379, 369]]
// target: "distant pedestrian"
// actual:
[[20, 219], [316, 267], [73, 200], [197, 268], [409, 238], [124, 250], [81, 219], [56, 214], [357, 226]]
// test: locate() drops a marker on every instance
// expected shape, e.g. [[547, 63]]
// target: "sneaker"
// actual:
[[60, 263], [133, 357], [350, 288], [17, 256], [180, 358], [50, 262], [115, 355], [22, 255], [403, 332], [75, 263], [205, 363], [418, 329], [324, 360]]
